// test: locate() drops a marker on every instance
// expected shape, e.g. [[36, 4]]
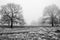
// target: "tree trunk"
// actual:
[[52, 19], [11, 23], [12, 20], [52, 22]]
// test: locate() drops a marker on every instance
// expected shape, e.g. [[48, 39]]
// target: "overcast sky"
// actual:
[[32, 9]]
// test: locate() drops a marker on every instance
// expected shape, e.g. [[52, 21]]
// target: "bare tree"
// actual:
[[11, 14], [51, 12]]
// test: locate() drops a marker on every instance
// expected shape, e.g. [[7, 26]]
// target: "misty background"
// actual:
[[32, 9]]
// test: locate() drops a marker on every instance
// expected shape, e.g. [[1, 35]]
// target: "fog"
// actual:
[[32, 9]]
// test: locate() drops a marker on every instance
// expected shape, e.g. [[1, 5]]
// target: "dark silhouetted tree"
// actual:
[[11, 14]]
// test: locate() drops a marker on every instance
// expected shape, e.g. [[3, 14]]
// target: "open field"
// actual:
[[30, 33]]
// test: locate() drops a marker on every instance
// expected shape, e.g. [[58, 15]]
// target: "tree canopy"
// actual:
[[50, 14], [12, 14]]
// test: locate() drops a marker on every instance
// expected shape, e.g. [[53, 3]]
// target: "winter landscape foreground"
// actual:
[[13, 25], [35, 33]]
